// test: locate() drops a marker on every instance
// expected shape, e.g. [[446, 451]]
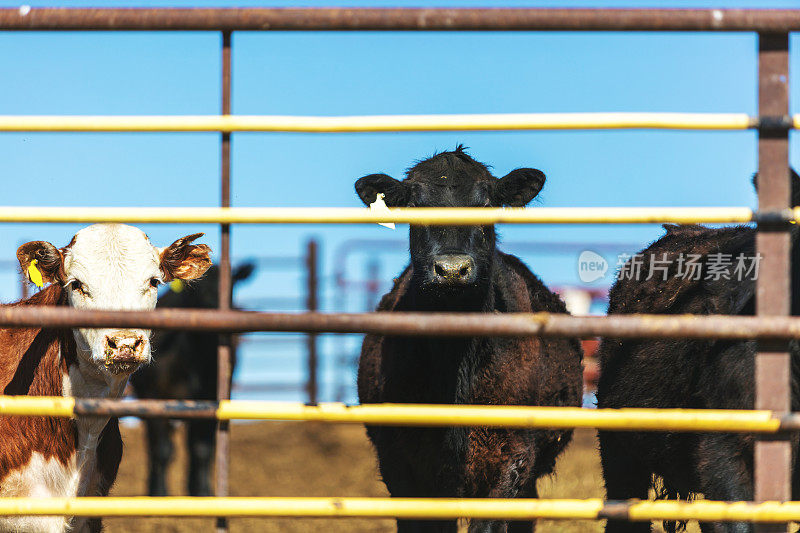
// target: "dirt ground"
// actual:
[[303, 459]]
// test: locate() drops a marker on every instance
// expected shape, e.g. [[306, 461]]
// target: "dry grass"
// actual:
[[297, 459], [267, 459]]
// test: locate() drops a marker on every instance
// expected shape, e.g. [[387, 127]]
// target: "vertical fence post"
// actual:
[[373, 286], [773, 455], [23, 285], [312, 304], [340, 306], [224, 351]]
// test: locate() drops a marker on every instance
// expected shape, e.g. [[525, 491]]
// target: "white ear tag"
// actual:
[[380, 206]]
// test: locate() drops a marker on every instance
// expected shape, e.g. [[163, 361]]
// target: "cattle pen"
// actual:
[[772, 327]]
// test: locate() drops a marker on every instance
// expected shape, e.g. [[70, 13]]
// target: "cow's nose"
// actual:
[[125, 347], [454, 268]]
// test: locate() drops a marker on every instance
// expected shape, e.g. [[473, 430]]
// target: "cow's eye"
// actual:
[[79, 287], [154, 282]]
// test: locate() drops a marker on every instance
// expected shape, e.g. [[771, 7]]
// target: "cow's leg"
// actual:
[[487, 526], [159, 444], [625, 479], [499, 526], [795, 468], [93, 525], [200, 438], [726, 527], [399, 476], [525, 526], [399, 480], [427, 526], [402, 490], [514, 526], [725, 474]]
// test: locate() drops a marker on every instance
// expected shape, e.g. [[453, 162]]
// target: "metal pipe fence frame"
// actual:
[[397, 19], [224, 355], [772, 455]]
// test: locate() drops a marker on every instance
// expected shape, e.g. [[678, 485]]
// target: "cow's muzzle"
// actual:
[[453, 270], [125, 351]]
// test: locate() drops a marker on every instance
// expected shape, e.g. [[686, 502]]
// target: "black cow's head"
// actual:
[[452, 261]]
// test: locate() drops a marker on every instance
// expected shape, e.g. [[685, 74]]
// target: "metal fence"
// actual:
[[772, 325], [364, 292]]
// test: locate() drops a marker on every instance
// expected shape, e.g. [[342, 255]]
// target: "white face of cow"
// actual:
[[114, 267]]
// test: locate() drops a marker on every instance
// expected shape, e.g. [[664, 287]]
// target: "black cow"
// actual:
[[184, 368], [460, 269], [689, 374]]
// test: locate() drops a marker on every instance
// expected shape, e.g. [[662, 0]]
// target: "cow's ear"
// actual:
[[519, 186], [395, 193], [795, 185], [44, 258], [243, 271], [184, 260]]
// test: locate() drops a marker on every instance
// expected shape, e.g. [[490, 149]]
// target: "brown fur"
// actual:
[[33, 362], [49, 260], [183, 260]]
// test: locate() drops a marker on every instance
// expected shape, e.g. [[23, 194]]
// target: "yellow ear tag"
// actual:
[[35, 275], [380, 206], [176, 285]]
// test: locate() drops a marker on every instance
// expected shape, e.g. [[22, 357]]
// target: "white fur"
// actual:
[[40, 478], [115, 264]]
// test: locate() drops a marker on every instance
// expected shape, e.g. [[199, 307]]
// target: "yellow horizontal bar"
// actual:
[[421, 508], [505, 416], [718, 420], [37, 405], [357, 215], [381, 123]]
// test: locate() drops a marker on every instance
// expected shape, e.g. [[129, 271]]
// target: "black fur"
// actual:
[[465, 462], [691, 374], [185, 368]]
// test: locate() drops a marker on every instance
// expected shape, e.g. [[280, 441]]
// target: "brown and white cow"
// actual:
[[105, 266]]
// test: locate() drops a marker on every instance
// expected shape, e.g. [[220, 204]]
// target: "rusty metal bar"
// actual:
[[183, 409], [23, 283], [399, 19], [773, 455], [312, 305], [224, 355], [415, 324]]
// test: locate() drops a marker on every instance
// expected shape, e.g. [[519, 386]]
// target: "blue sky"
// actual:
[[373, 73]]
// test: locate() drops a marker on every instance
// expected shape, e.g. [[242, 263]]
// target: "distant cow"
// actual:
[[184, 368], [105, 266], [459, 269], [688, 374]]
